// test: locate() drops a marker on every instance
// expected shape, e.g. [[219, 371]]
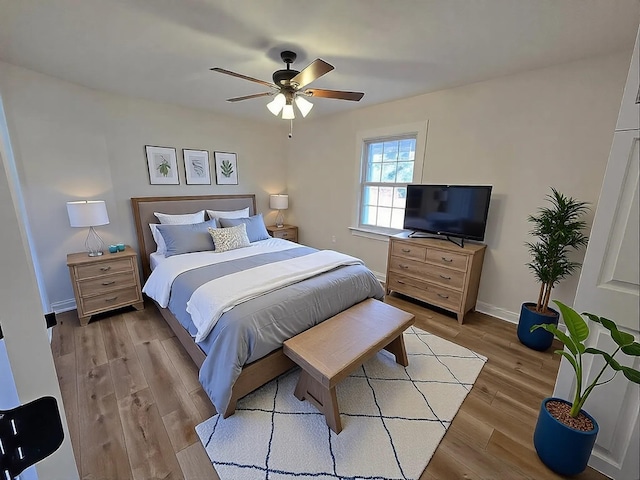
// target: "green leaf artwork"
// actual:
[[164, 167], [226, 168]]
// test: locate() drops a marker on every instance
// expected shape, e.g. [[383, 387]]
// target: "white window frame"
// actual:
[[419, 130]]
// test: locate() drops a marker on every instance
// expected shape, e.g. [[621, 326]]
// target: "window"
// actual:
[[388, 166]]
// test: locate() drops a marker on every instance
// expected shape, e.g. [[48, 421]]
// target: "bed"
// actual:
[[244, 346]]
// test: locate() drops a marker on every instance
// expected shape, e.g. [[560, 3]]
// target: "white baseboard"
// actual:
[[380, 276], [497, 312], [64, 305]]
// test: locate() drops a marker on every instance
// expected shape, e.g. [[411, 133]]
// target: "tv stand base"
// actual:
[[415, 234]]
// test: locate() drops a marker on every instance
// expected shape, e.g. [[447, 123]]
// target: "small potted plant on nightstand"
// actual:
[[558, 229], [565, 433]]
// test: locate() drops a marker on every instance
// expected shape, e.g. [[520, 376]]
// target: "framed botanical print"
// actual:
[[226, 168], [162, 164], [196, 167]]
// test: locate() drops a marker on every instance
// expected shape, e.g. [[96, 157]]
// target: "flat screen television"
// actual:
[[458, 211]]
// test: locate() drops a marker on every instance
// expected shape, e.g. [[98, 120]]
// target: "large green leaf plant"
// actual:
[[578, 332]]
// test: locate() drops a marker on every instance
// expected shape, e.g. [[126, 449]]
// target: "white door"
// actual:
[[609, 286]]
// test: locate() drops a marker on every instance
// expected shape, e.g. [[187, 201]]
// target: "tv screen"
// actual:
[[450, 210]]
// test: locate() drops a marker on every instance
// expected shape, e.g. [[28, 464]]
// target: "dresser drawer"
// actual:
[[106, 283], [406, 250], [428, 272], [447, 259], [103, 268], [428, 292], [110, 300]]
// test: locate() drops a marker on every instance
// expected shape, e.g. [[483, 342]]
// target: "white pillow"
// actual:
[[157, 237], [184, 219], [243, 213]]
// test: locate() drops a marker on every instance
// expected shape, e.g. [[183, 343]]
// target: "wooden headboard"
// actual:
[[143, 208]]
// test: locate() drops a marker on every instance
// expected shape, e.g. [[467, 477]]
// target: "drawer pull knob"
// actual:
[[443, 296], [109, 283], [406, 250], [110, 299], [446, 278], [105, 269], [401, 265], [448, 260], [285, 234], [400, 282]]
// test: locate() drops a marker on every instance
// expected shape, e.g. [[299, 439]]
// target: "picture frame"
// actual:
[[196, 166], [226, 168], [162, 165]]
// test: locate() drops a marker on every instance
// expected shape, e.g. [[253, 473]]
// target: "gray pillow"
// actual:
[[187, 238], [255, 226]]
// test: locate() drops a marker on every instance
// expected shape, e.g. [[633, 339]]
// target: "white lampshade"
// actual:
[[87, 213], [279, 202], [276, 104], [288, 113], [303, 105]]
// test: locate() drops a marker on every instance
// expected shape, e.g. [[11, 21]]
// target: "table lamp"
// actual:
[[279, 202], [89, 213]]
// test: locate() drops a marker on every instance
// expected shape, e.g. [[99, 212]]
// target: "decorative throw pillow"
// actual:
[[230, 238], [183, 219], [256, 229], [242, 213], [180, 239]]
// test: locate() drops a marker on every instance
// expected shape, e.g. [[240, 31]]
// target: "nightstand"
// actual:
[[104, 283], [287, 232]]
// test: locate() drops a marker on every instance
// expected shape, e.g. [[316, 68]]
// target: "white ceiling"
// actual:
[[162, 49]]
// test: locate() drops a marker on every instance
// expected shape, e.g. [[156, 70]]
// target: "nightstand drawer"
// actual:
[[103, 268], [110, 300], [286, 234], [107, 283]]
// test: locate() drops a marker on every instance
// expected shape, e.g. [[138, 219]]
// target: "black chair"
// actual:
[[28, 434]]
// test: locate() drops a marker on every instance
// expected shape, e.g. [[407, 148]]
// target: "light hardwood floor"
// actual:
[[132, 399]]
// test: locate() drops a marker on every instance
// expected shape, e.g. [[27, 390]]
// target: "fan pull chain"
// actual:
[[291, 128]]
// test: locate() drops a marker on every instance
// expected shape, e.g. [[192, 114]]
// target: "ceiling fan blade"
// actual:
[[311, 72], [337, 94], [244, 77], [247, 97]]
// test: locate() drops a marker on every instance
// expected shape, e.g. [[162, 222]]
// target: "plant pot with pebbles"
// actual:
[[565, 434]]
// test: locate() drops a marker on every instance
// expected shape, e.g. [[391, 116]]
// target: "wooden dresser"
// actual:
[[104, 283], [435, 271]]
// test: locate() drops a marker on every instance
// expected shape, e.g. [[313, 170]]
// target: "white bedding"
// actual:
[[158, 285], [154, 259], [212, 299]]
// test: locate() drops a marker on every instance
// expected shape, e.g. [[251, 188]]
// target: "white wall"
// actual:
[[72, 142], [521, 133]]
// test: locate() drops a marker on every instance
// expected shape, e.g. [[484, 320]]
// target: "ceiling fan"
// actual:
[[289, 87]]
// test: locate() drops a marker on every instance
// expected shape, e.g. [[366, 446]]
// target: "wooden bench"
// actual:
[[333, 349]]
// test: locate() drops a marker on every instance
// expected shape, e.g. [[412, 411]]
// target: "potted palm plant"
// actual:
[[558, 229], [565, 433]]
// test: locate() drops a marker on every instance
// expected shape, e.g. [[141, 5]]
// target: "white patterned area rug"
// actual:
[[392, 419]]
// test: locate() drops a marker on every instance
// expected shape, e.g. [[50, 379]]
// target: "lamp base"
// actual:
[[280, 219], [94, 243]]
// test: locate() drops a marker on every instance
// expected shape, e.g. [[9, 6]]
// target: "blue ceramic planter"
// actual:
[[563, 449], [539, 339]]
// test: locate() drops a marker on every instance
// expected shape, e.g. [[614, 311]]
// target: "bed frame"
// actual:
[[254, 374]]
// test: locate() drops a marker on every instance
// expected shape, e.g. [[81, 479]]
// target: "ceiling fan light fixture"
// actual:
[[275, 105], [303, 105], [288, 113]]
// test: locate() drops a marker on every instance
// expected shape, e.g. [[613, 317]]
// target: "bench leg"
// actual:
[[324, 399], [396, 347]]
